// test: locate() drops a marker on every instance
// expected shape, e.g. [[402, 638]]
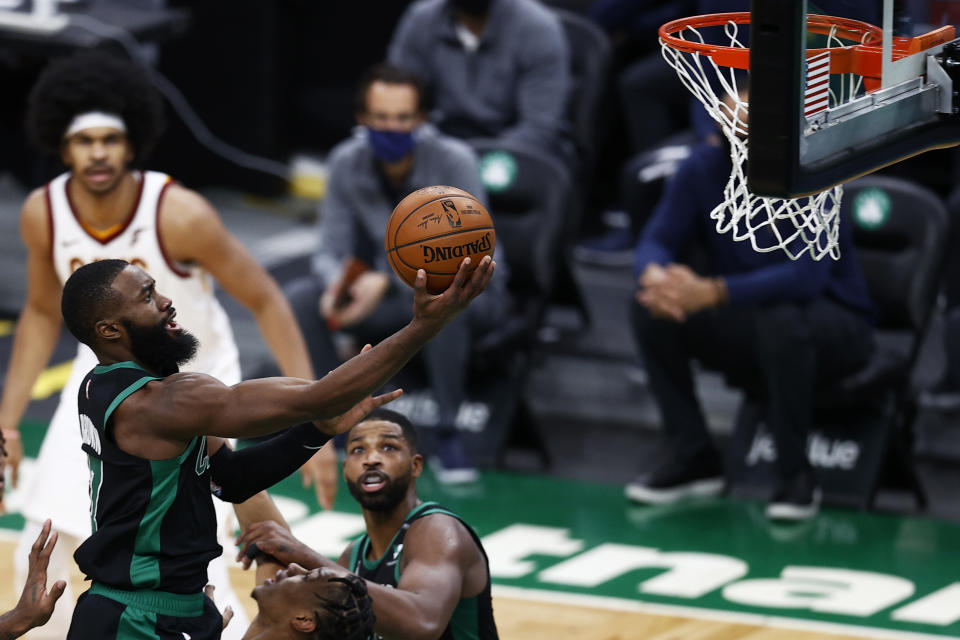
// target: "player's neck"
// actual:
[[107, 209], [383, 525]]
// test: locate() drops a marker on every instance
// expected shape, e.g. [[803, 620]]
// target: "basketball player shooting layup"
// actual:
[[102, 116], [154, 440]]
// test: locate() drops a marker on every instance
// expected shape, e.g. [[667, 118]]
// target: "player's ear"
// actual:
[[108, 330], [417, 465], [304, 623]]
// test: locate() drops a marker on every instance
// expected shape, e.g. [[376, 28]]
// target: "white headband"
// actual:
[[92, 119]]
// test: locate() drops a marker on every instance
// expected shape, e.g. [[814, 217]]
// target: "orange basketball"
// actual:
[[434, 229]]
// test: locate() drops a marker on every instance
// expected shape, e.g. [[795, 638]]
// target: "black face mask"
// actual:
[[477, 8], [159, 351]]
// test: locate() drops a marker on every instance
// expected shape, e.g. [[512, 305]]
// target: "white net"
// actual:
[[793, 225]]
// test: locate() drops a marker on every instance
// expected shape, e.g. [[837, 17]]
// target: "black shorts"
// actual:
[[99, 617]]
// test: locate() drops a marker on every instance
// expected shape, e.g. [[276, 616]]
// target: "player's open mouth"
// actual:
[[373, 481], [171, 324], [99, 174]]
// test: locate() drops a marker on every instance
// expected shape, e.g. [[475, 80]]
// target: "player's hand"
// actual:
[[36, 603], [321, 472], [343, 423], [366, 293], [276, 541], [466, 285], [227, 611]]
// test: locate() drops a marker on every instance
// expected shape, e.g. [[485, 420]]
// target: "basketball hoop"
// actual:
[[709, 70]]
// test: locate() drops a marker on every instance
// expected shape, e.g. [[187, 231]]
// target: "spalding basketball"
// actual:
[[434, 229]]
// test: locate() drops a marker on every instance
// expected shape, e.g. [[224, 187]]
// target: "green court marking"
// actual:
[[844, 567], [554, 536]]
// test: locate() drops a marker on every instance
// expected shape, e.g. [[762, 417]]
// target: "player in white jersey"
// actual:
[[103, 116]]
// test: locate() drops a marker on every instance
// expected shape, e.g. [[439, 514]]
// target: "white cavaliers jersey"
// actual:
[[58, 488], [137, 240]]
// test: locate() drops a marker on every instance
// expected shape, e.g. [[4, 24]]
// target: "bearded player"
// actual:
[[102, 117], [426, 570], [154, 441]]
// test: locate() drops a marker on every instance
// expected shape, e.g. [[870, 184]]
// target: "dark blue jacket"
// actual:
[[683, 216]]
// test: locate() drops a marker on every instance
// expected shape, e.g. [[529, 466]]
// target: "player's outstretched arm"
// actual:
[[36, 603], [239, 475], [187, 404]]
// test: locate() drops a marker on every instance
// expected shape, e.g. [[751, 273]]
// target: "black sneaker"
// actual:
[[795, 501], [677, 481]]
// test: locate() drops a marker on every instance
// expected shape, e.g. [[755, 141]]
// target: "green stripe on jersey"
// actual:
[[137, 624], [127, 364], [145, 567], [123, 395]]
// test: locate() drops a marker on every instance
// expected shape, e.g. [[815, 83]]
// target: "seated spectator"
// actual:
[[779, 327], [494, 68], [392, 154]]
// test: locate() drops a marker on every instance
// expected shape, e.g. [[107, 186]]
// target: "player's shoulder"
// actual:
[[186, 200], [441, 527], [35, 218], [185, 210], [35, 203]]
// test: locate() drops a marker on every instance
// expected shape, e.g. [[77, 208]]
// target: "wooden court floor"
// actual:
[[526, 619]]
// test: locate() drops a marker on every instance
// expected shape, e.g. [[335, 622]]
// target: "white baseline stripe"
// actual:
[[732, 617]]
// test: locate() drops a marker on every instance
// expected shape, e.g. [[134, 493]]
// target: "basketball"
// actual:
[[434, 229]]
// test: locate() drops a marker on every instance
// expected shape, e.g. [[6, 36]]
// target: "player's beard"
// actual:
[[393, 492], [159, 351]]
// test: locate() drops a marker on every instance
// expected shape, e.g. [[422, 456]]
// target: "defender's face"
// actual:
[[380, 465], [294, 590], [392, 107], [98, 157]]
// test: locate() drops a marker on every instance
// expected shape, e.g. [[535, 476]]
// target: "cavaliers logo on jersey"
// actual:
[[76, 263]]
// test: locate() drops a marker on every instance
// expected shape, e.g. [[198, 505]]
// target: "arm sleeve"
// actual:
[[798, 280], [543, 87], [239, 475], [673, 223]]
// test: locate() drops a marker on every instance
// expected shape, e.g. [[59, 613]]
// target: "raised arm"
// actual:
[[440, 565], [38, 327], [187, 404]]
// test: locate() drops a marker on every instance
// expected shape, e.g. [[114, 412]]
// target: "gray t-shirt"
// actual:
[[515, 85]]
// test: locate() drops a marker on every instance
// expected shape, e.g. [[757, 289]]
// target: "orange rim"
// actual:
[[863, 58]]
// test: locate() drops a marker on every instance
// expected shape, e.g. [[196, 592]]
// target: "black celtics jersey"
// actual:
[[152, 520], [473, 617]]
